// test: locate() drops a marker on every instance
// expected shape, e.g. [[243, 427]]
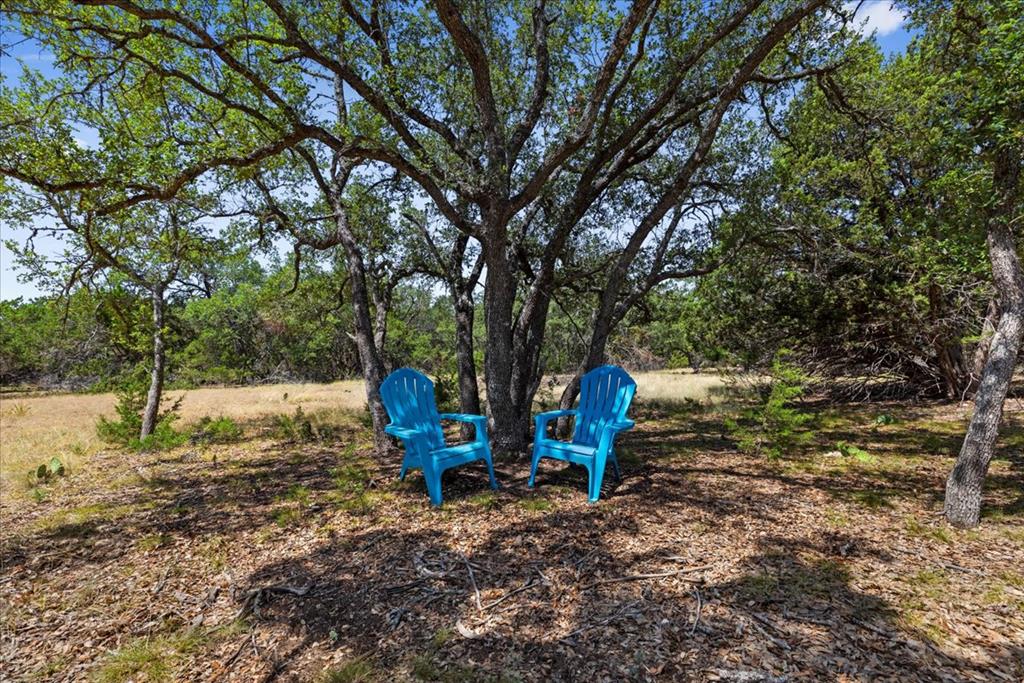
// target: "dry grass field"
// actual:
[[35, 428]]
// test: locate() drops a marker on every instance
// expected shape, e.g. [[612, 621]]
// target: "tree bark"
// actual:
[[499, 299], [363, 333], [965, 482], [465, 363], [151, 413]]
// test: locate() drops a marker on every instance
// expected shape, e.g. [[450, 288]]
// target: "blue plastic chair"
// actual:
[[605, 395], [408, 396]]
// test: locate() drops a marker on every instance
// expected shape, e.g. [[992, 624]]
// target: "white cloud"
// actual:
[[877, 16]]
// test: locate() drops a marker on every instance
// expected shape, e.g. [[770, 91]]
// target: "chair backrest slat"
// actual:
[[605, 395], [408, 396]]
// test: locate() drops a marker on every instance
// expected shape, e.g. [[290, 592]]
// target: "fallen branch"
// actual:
[[655, 575], [506, 596], [472, 580], [696, 618], [251, 602]]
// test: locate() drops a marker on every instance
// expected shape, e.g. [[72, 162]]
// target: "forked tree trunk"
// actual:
[[965, 482], [151, 413]]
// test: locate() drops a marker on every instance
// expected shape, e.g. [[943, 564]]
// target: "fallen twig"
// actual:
[[696, 618], [641, 577], [607, 620], [252, 600], [472, 580], [506, 596]]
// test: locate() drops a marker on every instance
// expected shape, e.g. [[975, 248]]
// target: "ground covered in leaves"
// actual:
[[301, 558]]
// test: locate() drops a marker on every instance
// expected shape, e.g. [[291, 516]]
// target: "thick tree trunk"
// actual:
[[965, 483], [499, 299], [151, 413]]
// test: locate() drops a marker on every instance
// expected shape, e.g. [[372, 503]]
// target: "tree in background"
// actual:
[[866, 255], [974, 53], [440, 100], [154, 251]]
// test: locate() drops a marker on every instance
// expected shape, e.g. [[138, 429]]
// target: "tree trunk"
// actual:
[[469, 392], [499, 298], [363, 333], [965, 483], [151, 413], [527, 343]]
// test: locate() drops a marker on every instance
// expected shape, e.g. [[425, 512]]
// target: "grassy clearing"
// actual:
[[36, 428]]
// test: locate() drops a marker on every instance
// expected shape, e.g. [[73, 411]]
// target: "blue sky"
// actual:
[[875, 16]]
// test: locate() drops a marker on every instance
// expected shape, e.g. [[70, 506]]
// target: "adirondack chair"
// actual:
[[605, 395], [408, 396]]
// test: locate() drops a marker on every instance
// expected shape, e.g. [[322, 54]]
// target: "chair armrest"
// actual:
[[620, 426], [479, 421], [464, 417], [543, 418], [401, 432], [610, 430]]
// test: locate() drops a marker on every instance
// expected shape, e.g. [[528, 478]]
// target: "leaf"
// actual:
[[465, 631]]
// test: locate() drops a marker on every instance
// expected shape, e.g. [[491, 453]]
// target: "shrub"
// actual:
[[774, 425], [46, 472], [216, 430], [848, 450], [124, 431]]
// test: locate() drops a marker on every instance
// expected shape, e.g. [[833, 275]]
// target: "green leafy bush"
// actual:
[[848, 450], [124, 431], [216, 430], [775, 426]]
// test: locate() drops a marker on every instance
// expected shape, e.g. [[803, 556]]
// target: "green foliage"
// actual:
[[46, 472], [126, 428], [297, 427], [774, 426], [216, 430], [849, 450]]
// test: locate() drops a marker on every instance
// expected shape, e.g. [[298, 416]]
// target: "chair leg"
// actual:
[[405, 468], [533, 465], [490, 470], [615, 465], [432, 476], [596, 477]]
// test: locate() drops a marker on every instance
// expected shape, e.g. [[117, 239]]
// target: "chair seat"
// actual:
[[568, 448], [462, 452]]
